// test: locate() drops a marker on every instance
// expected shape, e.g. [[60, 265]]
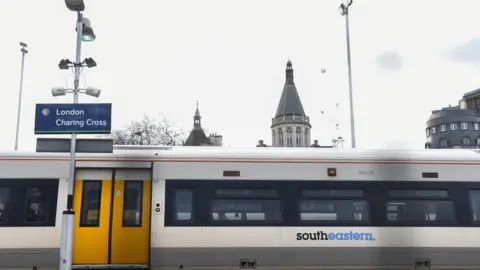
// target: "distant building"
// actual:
[[290, 126], [456, 127], [261, 144], [197, 136], [316, 145]]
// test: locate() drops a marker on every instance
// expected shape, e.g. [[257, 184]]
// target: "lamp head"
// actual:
[[58, 91]]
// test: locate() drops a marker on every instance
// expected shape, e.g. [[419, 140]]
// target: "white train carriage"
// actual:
[[265, 208]]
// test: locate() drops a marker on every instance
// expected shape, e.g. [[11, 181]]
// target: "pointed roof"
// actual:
[[197, 136], [290, 103]]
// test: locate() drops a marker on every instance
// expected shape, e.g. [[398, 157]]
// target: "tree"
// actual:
[[148, 131]]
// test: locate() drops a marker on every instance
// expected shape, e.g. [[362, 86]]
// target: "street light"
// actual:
[[84, 33], [344, 8], [24, 52]]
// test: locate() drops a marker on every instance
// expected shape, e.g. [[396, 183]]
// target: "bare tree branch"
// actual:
[[148, 131]]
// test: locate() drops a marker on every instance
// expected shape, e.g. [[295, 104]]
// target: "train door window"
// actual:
[[246, 205], [475, 205], [4, 203], [329, 205], [183, 204], [37, 205], [132, 204], [420, 206], [91, 200]]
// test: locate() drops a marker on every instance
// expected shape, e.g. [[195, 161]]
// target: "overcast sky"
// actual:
[[409, 57]]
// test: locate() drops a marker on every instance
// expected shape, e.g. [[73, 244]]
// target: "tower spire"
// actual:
[[197, 119], [289, 74]]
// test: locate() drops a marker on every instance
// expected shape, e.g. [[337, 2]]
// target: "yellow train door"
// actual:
[[112, 218]]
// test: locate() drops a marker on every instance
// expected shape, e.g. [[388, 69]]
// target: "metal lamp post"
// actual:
[[84, 33], [344, 8], [24, 52]]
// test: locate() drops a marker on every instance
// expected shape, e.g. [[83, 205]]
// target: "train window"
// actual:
[[418, 193], [334, 210], [132, 204], [246, 193], [318, 193], [91, 200], [37, 205], [475, 205], [183, 205], [246, 210], [420, 211], [4, 203]]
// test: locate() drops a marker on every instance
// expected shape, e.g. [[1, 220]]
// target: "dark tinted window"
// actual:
[[334, 210], [241, 210], [418, 193], [132, 203], [246, 193], [420, 211], [317, 193], [4, 203], [475, 204], [37, 205], [91, 201], [183, 205]]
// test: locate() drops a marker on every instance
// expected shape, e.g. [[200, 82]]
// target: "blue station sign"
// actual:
[[86, 118]]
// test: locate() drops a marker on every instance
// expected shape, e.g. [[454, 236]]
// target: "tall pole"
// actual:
[[24, 51], [68, 215], [344, 9]]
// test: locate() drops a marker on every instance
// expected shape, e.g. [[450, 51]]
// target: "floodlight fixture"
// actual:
[[75, 5], [58, 91], [94, 92], [64, 64], [89, 62]]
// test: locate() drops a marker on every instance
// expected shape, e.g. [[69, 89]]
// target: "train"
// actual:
[[253, 208]]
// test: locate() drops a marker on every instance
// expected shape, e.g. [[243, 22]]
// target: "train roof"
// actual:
[[154, 153]]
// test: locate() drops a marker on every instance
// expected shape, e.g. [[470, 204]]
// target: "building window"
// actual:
[[478, 141], [464, 125], [466, 141], [475, 126], [273, 137], [453, 126], [428, 131], [299, 135], [289, 137], [443, 143], [306, 136], [280, 137], [443, 127], [434, 130]]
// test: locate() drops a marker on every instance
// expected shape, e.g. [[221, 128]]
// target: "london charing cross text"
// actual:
[[76, 123]]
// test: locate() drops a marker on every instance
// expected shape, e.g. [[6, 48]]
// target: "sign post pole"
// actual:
[[68, 215]]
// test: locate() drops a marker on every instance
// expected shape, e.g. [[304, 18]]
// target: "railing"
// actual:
[[291, 118]]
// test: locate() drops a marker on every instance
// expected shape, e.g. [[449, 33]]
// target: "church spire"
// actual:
[[289, 74], [197, 119]]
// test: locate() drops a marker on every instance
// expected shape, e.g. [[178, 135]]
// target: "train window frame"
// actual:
[[6, 212], [406, 198], [174, 207], [472, 213], [82, 204], [127, 183], [270, 194], [46, 193], [18, 188], [329, 193]]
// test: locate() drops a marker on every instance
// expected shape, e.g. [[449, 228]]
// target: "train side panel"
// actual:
[[225, 246], [26, 245]]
